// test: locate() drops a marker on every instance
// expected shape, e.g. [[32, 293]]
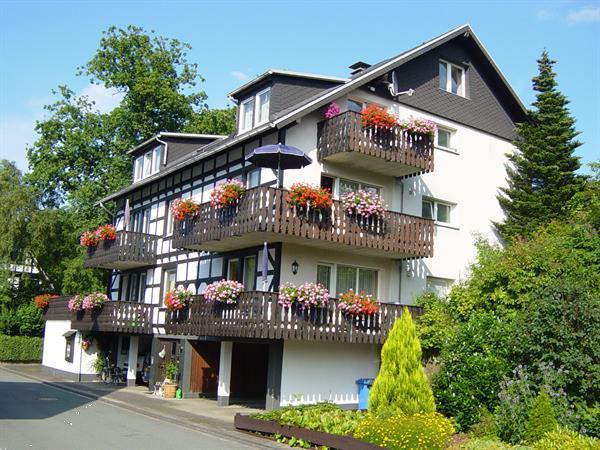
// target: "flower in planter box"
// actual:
[[93, 301], [304, 195], [376, 116], [106, 232], [355, 304], [227, 193], [287, 294], [184, 209], [364, 204], [88, 239], [331, 110], [178, 298], [86, 344], [224, 291], [422, 126], [43, 300], [307, 295], [75, 303]]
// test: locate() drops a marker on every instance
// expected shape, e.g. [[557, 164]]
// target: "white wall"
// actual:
[[318, 371], [53, 354]]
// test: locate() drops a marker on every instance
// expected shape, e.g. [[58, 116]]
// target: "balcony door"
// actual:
[[243, 269]]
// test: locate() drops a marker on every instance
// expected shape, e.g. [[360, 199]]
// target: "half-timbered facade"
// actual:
[[440, 192]]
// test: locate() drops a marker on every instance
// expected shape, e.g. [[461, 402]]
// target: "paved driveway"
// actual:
[[35, 415]]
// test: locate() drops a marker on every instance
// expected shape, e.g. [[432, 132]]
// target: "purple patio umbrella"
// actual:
[[280, 157]]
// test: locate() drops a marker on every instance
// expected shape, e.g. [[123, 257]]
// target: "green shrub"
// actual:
[[565, 439], [401, 385], [486, 427], [541, 418], [429, 431], [589, 420], [487, 444], [20, 348], [29, 318]]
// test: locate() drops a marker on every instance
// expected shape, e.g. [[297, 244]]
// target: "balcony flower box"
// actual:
[[90, 302], [375, 117], [106, 233], [227, 194], [310, 202], [224, 291], [363, 204], [357, 304], [306, 296], [182, 209], [178, 299], [43, 300], [420, 126], [331, 110], [88, 239]]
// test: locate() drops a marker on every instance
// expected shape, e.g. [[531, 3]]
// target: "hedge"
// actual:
[[20, 348]]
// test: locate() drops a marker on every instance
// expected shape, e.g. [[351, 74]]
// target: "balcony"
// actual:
[[115, 316], [258, 315], [392, 152], [265, 214], [128, 251]]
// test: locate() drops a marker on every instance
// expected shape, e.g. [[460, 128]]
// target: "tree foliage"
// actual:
[[541, 177], [213, 121], [401, 386]]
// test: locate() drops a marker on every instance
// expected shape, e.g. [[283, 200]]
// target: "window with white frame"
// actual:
[[439, 286], [439, 211], [253, 178], [346, 186], [445, 138], [169, 280], [170, 219], [255, 110], [452, 78], [147, 164], [324, 275], [246, 114], [339, 278], [263, 100]]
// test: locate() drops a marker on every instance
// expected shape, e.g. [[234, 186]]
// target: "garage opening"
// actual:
[[249, 368]]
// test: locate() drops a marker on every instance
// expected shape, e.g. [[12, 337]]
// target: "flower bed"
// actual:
[[422, 126], [224, 291], [306, 295], [355, 304], [106, 233], [177, 299], [376, 116], [305, 196], [184, 209], [364, 204], [88, 239], [227, 194]]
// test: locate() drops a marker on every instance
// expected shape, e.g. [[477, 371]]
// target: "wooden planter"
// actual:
[[169, 390], [247, 423]]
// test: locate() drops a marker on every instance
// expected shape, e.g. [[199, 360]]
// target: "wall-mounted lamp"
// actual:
[[295, 267]]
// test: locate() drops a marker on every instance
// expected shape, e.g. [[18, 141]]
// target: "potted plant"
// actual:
[[363, 204], [305, 197], [75, 303], [306, 296], [93, 301], [184, 209], [224, 291], [375, 117], [88, 239], [177, 299], [331, 110], [356, 304], [227, 194], [419, 126], [106, 233], [170, 382]]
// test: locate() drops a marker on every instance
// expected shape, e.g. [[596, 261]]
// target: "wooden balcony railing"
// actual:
[[129, 250], [258, 315], [114, 316], [393, 151], [264, 213]]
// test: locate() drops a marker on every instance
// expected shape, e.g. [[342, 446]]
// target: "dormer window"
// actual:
[[255, 110], [452, 78], [147, 164]]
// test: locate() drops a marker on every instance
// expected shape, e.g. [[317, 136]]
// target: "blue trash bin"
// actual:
[[364, 385]]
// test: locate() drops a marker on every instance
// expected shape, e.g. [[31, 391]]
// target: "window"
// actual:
[[69, 345], [355, 106], [232, 269], [353, 186], [452, 78], [262, 106], [444, 138], [141, 220], [170, 219], [250, 273], [324, 275], [147, 164], [246, 114], [439, 286], [169, 280], [356, 278], [253, 178], [433, 209]]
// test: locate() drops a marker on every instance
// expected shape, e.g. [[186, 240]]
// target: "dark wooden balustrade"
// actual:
[[129, 250], [114, 316], [259, 315], [393, 151], [264, 213]]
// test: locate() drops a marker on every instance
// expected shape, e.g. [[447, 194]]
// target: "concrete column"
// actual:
[[224, 388], [132, 360], [274, 375]]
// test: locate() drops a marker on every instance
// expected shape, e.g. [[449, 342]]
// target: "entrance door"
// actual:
[[205, 367]]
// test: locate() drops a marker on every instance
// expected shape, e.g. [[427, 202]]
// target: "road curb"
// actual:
[[183, 421]]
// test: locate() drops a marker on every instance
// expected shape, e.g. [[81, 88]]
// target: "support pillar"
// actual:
[[132, 360], [224, 389]]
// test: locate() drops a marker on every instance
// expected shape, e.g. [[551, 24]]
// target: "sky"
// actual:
[[43, 42]]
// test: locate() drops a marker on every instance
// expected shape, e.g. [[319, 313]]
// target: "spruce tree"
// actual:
[[541, 178], [541, 418], [401, 385]]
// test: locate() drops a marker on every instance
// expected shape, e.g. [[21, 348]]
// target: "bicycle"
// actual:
[[111, 373]]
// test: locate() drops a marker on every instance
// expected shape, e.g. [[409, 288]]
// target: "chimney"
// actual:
[[358, 67]]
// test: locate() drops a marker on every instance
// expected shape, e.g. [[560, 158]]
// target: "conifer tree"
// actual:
[[541, 179], [401, 385], [541, 418]]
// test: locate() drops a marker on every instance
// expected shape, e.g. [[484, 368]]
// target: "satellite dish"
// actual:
[[393, 87]]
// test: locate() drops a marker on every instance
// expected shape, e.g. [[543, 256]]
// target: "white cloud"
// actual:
[[105, 99], [241, 76], [587, 14], [544, 14]]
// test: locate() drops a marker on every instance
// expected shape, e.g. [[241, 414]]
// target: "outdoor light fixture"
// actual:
[[295, 267]]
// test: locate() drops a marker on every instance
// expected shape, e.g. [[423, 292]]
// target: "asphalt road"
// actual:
[[34, 415]]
